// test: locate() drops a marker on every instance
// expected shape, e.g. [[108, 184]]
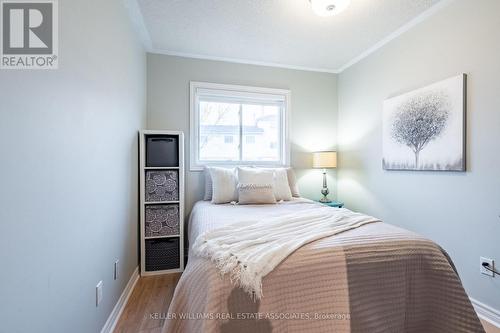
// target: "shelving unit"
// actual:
[[161, 168], [161, 181]]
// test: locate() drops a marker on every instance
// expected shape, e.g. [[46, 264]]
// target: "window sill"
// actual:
[[201, 167]]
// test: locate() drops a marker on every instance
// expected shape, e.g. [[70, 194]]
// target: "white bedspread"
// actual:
[[251, 249], [377, 278]]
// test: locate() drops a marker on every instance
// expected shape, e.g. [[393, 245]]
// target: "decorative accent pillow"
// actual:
[[251, 194], [224, 184], [255, 186], [292, 182], [281, 187], [208, 185]]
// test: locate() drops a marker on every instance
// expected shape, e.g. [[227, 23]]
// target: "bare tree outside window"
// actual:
[[419, 120], [213, 113]]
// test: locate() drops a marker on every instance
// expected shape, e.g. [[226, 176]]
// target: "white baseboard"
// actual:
[[110, 324], [486, 312]]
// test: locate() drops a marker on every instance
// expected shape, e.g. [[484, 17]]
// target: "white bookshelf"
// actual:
[[162, 246]]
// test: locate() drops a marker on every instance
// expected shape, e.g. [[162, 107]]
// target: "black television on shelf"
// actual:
[[162, 151]]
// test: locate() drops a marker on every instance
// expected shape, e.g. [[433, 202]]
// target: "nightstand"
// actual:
[[334, 203]]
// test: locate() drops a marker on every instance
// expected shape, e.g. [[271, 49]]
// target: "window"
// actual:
[[237, 125]]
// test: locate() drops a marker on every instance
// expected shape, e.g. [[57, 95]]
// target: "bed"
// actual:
[[375, 278]]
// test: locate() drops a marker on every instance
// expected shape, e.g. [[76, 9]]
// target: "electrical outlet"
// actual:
[[115, 274], [491, 265], [98, 293]]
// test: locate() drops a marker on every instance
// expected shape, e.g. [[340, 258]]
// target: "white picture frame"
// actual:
[[425, 129]]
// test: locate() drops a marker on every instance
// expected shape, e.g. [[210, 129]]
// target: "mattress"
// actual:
[[375, 278]]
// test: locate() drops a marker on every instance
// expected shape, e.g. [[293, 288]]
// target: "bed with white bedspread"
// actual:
[[372, 278]]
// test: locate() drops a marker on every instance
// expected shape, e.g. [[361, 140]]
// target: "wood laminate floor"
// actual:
[[152, 295]]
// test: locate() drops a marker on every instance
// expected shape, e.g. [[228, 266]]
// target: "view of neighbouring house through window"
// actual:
[[239, 132]]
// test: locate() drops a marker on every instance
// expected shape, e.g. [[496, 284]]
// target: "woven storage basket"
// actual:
[[162, 220], [162, 254], [162, 185]]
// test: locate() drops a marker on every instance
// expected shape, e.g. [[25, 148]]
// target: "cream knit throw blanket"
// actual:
[[249, 250]]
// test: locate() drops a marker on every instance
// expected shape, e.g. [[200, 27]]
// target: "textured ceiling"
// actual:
[[282, 32]]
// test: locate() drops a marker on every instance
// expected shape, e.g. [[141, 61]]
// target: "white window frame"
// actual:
[[197, 88]]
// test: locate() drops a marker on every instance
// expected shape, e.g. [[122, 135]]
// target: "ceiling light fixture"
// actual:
[[329, 7]]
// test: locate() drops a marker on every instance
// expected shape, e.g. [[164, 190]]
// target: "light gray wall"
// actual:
[[313, 122], [68, 174], [460, 211]]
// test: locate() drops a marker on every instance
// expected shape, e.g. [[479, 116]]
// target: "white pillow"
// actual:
[[281, 187], [255, 186], [251, 194], [208, 185], [292, 182], [224, 184], [255, 176], [282, 193]]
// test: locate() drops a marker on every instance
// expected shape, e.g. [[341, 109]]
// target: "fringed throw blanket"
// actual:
[[249, 250]]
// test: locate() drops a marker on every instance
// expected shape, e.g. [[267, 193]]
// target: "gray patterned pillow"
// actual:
[[251, 194]]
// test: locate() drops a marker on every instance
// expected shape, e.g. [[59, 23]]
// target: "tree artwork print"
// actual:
[[424, 129], [420, 120]]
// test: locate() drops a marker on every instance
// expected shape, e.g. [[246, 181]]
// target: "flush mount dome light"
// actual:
[[329, 7]]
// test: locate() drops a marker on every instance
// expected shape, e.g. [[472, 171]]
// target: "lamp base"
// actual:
[[325, 200], [325, 191]]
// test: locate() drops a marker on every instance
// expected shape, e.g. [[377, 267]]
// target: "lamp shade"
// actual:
[[325, 159]]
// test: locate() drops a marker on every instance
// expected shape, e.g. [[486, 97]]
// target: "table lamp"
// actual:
[[325, 160]]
